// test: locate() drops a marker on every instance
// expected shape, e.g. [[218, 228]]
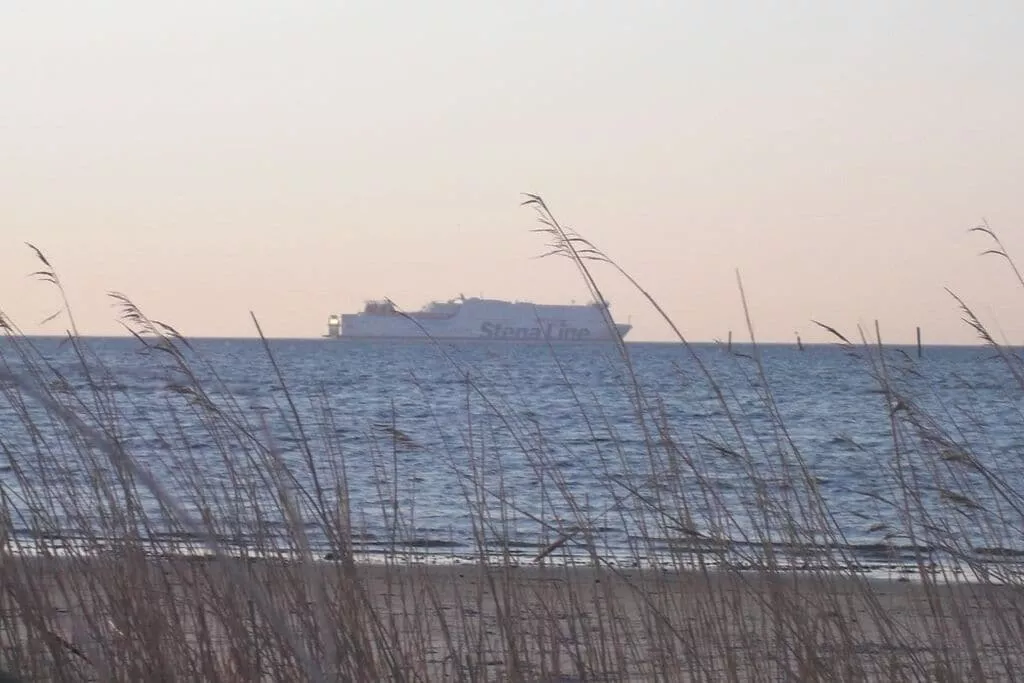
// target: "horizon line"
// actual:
[[664, 342]]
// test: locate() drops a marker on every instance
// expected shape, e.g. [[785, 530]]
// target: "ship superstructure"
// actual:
[[480, 319]]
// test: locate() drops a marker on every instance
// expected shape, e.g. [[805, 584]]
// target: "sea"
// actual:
[[594, 452]]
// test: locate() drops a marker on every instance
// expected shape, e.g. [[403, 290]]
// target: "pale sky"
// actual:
[[297, 158]]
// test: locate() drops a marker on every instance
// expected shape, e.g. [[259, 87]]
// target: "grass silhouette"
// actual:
[[220, 581]]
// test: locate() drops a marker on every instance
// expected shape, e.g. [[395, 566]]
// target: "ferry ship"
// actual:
[[480, 319]]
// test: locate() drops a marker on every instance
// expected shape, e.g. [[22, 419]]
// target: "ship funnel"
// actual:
[[333, 326]]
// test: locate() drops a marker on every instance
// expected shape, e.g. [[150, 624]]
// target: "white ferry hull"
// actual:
[[480, 320]]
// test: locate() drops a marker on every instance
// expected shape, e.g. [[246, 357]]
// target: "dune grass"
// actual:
[[253, 568]]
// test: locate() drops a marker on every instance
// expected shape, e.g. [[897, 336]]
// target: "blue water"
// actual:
[[546, 439]]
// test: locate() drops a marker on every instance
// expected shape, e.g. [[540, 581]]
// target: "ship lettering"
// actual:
[[563, 332]]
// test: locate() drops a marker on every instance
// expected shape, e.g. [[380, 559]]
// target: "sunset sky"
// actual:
[[297, 158]]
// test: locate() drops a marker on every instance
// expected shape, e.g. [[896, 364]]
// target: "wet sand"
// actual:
[[527, 623]]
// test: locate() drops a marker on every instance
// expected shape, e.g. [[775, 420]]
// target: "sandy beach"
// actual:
[[464, 622]]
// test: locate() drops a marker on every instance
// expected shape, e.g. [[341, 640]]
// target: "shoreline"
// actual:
[[994, 571]]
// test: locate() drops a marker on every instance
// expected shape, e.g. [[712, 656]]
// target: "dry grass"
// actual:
[[107, 594]]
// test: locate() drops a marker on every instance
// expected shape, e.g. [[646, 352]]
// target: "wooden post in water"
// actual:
[[799, 344], [729, 346], [918, 341]]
